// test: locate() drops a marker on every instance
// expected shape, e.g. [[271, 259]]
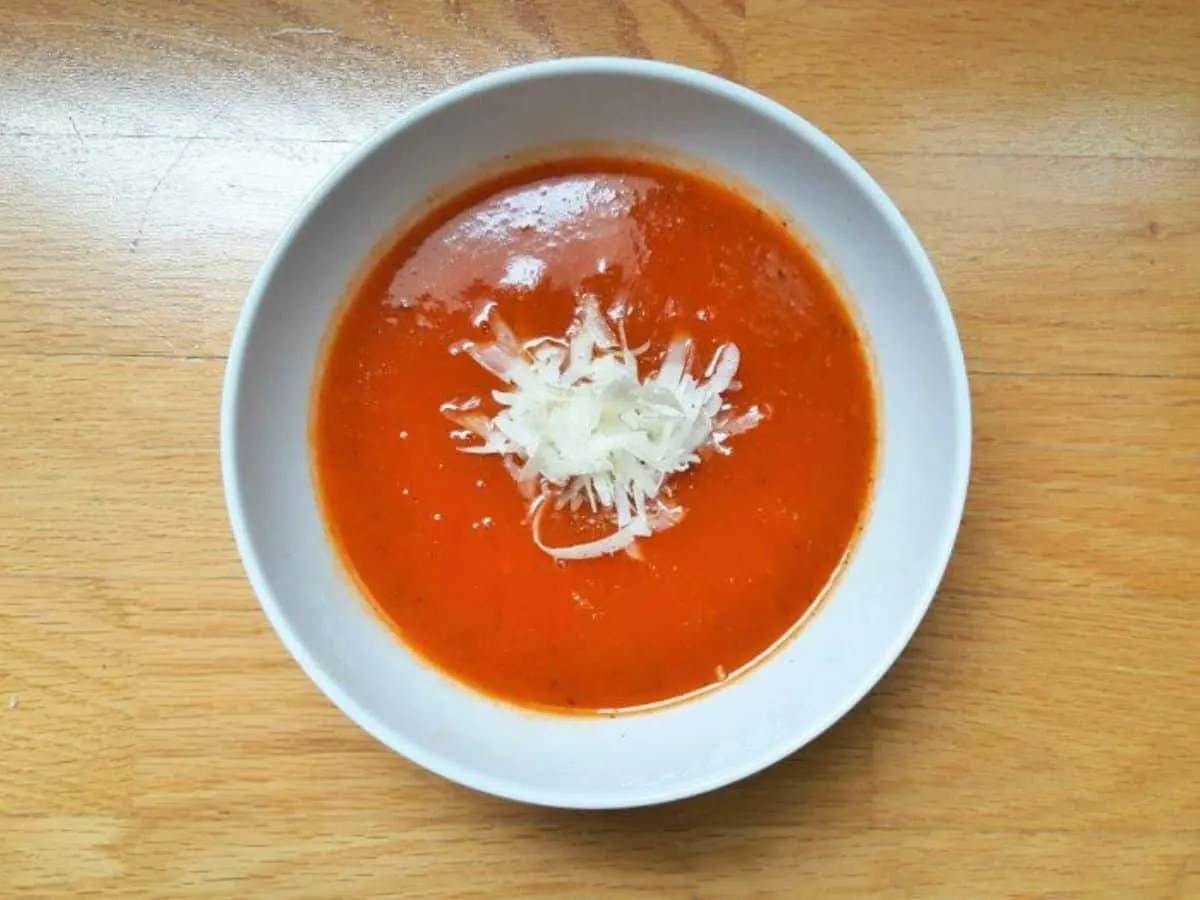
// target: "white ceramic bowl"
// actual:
[[679, 750]]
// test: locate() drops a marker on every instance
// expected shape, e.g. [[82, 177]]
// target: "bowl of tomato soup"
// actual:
[[597, 434]]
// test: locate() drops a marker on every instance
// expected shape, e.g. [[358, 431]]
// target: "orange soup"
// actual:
[[440, 540]]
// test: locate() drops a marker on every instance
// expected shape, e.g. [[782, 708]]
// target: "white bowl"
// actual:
[[678, 750]]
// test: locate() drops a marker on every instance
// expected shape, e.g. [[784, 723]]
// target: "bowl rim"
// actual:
[[586, 798]]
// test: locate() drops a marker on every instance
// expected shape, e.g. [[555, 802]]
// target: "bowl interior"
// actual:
[[677, 750]]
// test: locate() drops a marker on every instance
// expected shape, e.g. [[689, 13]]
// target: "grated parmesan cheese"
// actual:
[[578, 425]]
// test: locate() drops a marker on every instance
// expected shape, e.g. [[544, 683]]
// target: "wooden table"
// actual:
[[1038, 739]]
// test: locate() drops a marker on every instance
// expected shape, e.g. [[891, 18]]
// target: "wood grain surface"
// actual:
[[1040, 737]]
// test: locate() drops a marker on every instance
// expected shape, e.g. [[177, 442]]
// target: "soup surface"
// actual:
[[440, 540]]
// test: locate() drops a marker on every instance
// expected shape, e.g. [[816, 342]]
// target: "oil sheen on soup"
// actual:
[[440, 540]]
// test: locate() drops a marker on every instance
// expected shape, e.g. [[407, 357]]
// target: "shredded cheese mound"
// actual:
[[578, 424]]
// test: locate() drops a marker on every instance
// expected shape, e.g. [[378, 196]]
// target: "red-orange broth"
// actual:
[[439, 540]]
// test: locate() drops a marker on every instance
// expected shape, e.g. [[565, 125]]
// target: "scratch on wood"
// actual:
[[535, 22], [154, 190], [628, 30], [725, 61], [199, 133], [281, 32], [75, 128]]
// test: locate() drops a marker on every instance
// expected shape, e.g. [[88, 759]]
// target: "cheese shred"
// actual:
[[578, 426]]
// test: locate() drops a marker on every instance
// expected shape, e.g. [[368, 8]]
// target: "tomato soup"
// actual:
[[439, 540]]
